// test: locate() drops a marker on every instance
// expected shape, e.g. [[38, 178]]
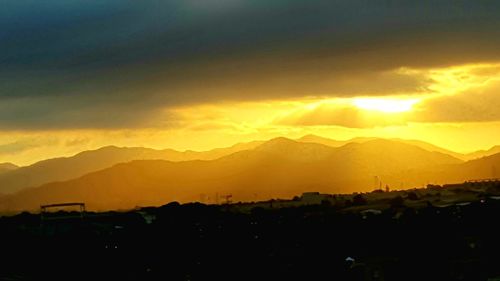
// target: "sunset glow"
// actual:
[[202, 95], [385, 105], [245, 139]]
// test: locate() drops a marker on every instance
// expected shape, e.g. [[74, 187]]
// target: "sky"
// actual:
[[200, 74]]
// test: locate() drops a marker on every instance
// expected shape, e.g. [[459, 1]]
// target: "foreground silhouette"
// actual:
[[213, 242]]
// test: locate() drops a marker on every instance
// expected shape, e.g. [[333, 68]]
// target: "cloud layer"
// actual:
[[123, 64]]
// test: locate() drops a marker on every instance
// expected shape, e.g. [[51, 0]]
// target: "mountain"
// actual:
[[5, 167], [331, 142], [380, 154], [483, 168], [322, 140], [483, 153], [278, 168], [66, 168], [295, 151], [425, 145], [430, 147], [216, 152]]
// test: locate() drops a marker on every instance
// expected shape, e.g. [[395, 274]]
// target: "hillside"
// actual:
[[430, 147], [295, 151], [66, 168], [424, 145], [277, 168], [322, 140], [482, 153], [6, 167]]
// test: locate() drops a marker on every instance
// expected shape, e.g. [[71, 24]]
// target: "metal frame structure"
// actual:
[[43, 208]]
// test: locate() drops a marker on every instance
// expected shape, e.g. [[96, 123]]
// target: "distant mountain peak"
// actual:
[[495, 149], [293, 150], [483, 153], [286, 143], [279, 140], [311, 137], [8, 166]]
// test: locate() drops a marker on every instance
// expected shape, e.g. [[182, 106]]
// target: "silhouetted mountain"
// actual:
[[322, 140], [294, 150], [66, 168], [380, 154], [425, 145], [5, 167], [277, 168], [430, 147], [482, 153], [483, 168], [332, 142]]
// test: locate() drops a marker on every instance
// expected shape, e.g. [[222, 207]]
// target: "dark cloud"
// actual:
[[110, 63]]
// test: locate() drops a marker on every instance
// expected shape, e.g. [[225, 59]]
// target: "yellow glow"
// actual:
[[456, 79], [212, 125], [385, 105]]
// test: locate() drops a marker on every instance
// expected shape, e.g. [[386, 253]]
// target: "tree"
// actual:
[[397, 201], [412, 196], [359, 200]]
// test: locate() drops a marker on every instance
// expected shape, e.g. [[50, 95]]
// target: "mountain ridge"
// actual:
[[66, 168], [267, 171]]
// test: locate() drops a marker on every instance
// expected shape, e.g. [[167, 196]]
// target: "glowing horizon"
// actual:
[[385, 105], [152, 78]]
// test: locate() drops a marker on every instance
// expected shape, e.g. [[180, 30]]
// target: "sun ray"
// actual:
[[385, 105]]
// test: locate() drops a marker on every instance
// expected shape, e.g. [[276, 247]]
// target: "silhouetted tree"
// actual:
[[412, 196], [359, 200], [397, 201]]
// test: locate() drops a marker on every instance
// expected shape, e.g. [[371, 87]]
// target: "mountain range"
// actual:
[[419, 143], [66, 168], [121, 178]]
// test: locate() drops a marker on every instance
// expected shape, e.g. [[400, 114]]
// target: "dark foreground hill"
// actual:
[[201, 242]]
